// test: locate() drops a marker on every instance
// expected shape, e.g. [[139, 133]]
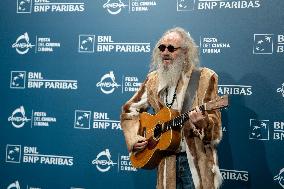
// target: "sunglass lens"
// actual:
[[162, 48], [171, 48]]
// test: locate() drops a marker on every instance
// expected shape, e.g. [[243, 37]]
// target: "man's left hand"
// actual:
[[196, 115]]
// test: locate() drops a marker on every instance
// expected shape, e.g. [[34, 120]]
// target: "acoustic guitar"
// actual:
[[162, 131]]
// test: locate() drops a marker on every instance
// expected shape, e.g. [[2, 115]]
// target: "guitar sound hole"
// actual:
[[158, 131]]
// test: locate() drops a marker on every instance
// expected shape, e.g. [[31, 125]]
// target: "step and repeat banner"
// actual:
[[67, 67]]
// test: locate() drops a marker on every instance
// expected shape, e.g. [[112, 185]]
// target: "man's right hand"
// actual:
[[140, 145]]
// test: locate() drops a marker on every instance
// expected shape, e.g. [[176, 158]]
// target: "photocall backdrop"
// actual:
[[67, 67]]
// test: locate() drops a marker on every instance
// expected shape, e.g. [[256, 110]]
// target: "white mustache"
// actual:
[[167, 58]]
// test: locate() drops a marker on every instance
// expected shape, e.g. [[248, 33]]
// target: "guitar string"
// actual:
[[204, 109], [149, 131]]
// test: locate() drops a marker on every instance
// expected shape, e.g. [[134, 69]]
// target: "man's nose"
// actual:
[[165, 52]]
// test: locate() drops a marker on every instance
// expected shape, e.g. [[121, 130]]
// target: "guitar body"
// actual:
[[159, 145], [162, 132]]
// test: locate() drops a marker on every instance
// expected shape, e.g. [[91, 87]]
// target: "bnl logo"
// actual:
[[259, 129], [86, 43], [24, 6], [18, 79], [13, 153], [82, 119], [263, 44], [185, 5]]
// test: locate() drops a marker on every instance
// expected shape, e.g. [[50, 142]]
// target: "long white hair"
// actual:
[[191, 56]]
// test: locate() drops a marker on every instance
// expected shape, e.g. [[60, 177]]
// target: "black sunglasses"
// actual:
[[170, 48]]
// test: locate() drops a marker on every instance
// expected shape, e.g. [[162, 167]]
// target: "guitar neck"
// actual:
[[178, 121]]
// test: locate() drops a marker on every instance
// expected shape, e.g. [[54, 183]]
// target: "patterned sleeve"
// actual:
[[213, 132], [130, 115], [212, 123]]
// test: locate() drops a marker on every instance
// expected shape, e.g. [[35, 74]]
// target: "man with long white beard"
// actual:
[[175, 78]]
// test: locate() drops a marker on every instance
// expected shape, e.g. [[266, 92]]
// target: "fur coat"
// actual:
[[200, 146]]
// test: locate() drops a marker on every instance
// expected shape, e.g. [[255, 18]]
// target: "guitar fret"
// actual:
[[178, 121]]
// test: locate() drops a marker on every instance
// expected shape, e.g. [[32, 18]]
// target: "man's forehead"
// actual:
[[172, 37]]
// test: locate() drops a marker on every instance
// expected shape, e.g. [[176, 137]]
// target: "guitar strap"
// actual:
[[189, 95], [191, 90]]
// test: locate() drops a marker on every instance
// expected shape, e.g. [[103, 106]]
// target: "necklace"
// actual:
[[174, 97]]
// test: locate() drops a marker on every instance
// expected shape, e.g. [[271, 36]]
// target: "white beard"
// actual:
[[170, 74]]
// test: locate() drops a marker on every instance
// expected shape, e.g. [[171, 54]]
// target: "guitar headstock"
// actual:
[[217, 103]]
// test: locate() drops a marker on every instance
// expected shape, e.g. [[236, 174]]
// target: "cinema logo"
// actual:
[[190, 5], [16, 185], [38, 118], [35, 80], [265, 130], [99, 120], [91, 43], [242, 90], [44, 6], [234, 175], [280, 177], [104, 162], [114, 7], [108, 84], [213, 45], [18, 117], [267, 43], [27, 154], [43, 44], [22, 44]]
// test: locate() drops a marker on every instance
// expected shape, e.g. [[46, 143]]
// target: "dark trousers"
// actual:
[[183, 174]]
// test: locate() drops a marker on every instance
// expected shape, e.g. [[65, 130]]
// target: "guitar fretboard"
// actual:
[[178, 121]]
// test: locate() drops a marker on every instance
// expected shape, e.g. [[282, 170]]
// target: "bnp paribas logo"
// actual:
[[86, 43], [24, 6], [259, 129], [18, 79], [82, 119], [185, 5], [13, 153], [281, 90], [189, 5], [263, 44], [268, 44]]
